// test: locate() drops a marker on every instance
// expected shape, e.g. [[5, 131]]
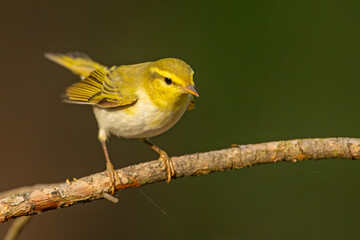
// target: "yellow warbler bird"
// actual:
[[131, 101]]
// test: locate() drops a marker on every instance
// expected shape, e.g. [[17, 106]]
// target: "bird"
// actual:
[[131, 101]]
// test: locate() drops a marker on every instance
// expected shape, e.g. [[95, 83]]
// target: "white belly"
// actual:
[[141, 120]]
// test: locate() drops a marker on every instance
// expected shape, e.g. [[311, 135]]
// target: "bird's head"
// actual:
[[170, 79]]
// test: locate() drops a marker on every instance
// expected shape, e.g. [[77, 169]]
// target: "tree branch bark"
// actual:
[[42, 198]]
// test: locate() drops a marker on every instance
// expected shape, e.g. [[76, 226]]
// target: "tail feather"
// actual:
[[78, 63]]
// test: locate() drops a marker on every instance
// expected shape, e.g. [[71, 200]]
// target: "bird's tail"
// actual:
[[79, 63]]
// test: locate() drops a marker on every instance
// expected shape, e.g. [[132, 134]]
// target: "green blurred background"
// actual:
[[265, 70]]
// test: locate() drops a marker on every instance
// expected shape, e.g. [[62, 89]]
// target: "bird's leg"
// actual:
[[114, 178], [168, 165]]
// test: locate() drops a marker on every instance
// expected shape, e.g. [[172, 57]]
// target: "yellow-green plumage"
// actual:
[[100, 89], [78, 63], [131, 101]]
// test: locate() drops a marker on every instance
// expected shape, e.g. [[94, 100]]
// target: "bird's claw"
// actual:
[[168, 166], [113, 176]]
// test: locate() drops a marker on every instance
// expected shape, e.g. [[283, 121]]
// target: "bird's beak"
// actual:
[[191, 89]]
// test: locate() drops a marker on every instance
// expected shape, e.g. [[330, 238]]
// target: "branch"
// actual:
[[97, 186], [16, 227]]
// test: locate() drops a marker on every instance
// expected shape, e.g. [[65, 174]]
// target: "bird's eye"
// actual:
[[168, 81]]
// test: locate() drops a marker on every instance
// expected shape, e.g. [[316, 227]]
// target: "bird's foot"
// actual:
[[113, 176], [168, 165]]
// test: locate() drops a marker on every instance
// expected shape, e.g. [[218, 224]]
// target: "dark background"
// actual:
[[265, 70]]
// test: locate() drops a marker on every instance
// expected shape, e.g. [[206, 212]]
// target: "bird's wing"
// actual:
[[102, 89], [79, 63]]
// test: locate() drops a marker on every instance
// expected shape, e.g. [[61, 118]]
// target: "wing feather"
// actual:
[[100, 89]]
